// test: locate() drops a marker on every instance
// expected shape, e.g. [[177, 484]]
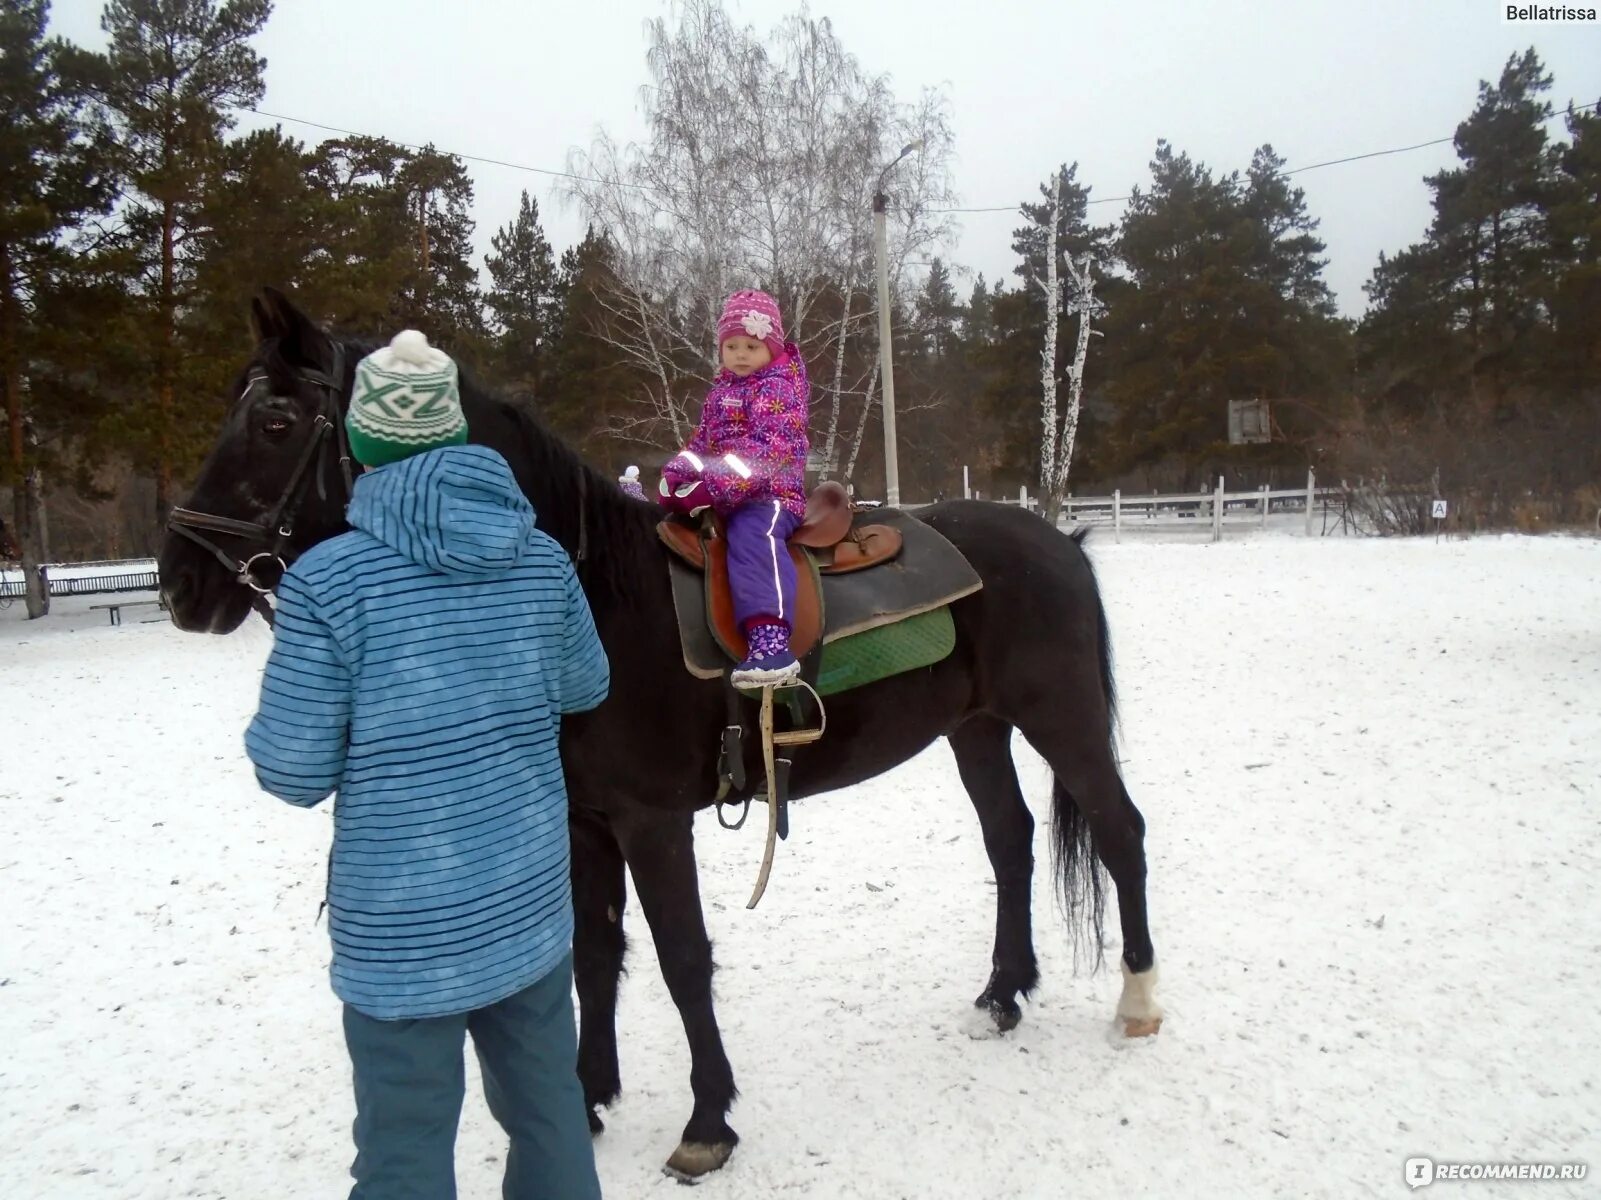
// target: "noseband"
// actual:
[[271, 534]]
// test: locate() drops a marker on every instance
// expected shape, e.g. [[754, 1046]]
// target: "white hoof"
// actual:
[[692, 1160], [1137, 1007]]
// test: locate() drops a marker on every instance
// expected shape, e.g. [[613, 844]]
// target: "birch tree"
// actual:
[[757, 171], [1059, 252], [1049, 433]]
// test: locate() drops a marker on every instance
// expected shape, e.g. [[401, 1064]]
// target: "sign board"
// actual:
[[1250, 421], [1439, 510]]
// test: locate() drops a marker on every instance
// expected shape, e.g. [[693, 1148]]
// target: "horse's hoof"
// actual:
[[596, 1125], [693, 1160], [1005, 1013], [1136, 1027]]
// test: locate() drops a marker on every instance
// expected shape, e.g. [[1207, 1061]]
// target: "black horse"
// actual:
[[1032, 655]]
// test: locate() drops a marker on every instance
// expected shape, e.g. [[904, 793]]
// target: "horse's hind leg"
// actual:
[[982, 746], [1092, 807]]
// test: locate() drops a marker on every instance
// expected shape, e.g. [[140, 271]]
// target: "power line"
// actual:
[[1333, 162], [494, 162], [1011, 208]]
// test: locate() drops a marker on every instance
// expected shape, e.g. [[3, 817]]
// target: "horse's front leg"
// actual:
[[660, 849], [599, 894]]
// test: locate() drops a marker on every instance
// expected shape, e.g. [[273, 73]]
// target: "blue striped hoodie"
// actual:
[[420, 668]]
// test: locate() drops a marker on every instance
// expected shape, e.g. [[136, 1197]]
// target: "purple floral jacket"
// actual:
[[751, 444]]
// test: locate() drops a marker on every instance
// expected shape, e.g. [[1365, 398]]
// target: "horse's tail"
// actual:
[[1080, 877]]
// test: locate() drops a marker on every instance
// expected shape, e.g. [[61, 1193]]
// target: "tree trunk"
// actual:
[[1053, 313], [166, 383], [1075, 393], [861, 427], [831, 444], [27, 508], [34, 541], [423, 279]]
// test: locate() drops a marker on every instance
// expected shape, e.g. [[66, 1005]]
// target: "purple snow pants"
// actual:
[[760, 573]]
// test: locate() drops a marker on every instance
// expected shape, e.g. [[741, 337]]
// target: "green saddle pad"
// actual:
[[875, 654]]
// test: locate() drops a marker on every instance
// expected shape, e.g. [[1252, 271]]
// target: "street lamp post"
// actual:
[[886, 365]]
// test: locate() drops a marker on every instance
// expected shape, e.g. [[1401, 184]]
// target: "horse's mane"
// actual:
[[579, 502], [570, 498]]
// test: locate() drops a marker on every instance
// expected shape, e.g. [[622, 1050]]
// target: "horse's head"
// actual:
[[275, 483]]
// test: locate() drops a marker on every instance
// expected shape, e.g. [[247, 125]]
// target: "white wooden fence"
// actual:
[[1210, 505]]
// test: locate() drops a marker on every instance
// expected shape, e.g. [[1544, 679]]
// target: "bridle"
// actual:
[[272, 533]]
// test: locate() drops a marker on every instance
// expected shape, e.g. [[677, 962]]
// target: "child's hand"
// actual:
[[690, 499]]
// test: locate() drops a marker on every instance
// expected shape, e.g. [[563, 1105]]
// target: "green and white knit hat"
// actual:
[[406, 401]]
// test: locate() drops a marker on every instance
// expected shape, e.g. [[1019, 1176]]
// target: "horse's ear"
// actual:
[[274, 315], [261, 320]]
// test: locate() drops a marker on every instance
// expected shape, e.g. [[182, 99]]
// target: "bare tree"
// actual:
[[757, 171], [1059, 422], [1050, 434], [1061, 436]]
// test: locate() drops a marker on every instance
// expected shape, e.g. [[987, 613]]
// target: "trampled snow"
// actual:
[[1372, 776]]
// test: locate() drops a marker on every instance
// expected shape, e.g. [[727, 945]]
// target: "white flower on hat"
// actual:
[[758, 324]]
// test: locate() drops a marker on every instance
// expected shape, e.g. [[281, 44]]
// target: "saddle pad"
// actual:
[[907, 645], [930, 573]]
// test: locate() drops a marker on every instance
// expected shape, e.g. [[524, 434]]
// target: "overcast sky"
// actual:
[[1031, 84]]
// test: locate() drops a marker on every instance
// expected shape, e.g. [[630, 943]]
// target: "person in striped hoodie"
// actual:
[[420, 669]]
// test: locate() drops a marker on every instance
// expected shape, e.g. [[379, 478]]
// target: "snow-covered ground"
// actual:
[[1370, 771]]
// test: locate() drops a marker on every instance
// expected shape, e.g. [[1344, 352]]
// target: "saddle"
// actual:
[[855, 572], [827, 542]]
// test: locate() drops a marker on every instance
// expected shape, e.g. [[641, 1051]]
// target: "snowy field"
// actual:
[[1370, 771]]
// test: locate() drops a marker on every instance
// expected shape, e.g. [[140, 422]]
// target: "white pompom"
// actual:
[[631, 473], [411, 346]]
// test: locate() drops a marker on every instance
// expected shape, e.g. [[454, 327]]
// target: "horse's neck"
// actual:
[[583, 510]]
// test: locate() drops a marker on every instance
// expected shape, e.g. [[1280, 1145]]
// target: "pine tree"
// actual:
[[938, 311], [1575, 224], [55, 173], [177, 69], [522, 300], [1490, 224], [1480, 347], [366, 256], [441, 295], [978, 320], [588, 384], [261, 223], [1225, 302]]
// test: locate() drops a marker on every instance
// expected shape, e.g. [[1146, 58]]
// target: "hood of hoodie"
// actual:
[[456, 510]]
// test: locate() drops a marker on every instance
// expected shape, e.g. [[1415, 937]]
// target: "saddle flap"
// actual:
[[683, 540], [806, 627], [867, 546]]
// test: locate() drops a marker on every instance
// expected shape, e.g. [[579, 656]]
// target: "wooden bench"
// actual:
[[114, 611]]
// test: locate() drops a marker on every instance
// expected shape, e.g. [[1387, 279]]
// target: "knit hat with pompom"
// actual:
[[406, 400]]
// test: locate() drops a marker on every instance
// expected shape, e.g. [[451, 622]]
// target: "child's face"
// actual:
[[743, 355]]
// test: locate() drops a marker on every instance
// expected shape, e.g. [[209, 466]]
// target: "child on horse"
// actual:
[[747, 461]]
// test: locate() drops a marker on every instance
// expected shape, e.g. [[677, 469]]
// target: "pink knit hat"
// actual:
[[752, 314]]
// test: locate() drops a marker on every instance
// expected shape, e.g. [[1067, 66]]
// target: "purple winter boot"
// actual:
[[769, 661]]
